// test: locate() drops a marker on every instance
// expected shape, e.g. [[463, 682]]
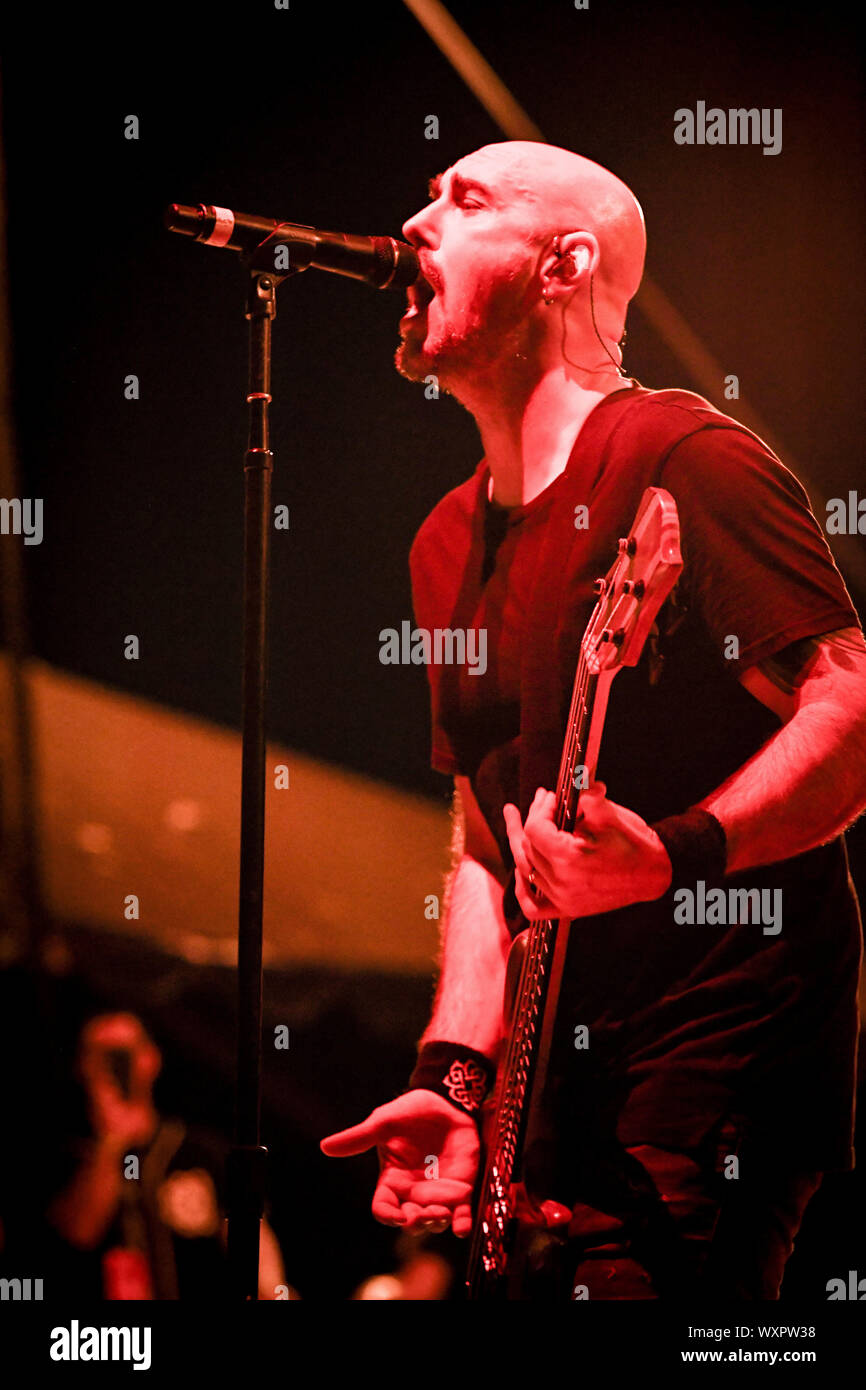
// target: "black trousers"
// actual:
[[716, 1224]]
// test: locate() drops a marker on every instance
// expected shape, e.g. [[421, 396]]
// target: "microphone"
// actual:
[[379, 260]]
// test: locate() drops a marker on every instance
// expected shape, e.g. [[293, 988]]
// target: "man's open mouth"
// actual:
[[418, 296]]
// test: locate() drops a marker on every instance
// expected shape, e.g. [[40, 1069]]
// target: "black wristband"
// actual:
[[460, 1074], [696, 846]]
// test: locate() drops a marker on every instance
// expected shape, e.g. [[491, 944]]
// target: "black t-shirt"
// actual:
[[687, 1023]]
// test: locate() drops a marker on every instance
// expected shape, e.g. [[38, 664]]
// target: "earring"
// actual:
[[548, 301]]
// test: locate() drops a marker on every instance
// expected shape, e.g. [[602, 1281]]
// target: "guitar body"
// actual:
[[520, 1236]]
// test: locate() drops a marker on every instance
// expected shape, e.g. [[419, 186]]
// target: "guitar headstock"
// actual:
[[632, 592]]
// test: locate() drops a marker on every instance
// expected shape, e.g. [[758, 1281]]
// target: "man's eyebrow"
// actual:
[[459, 185]]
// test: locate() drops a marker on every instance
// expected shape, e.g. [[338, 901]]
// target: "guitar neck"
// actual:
[[582, 741]]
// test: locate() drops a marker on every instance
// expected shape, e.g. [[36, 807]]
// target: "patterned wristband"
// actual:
[[460, 1074], [696, 846]]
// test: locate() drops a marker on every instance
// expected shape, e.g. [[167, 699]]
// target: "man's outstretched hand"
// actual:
[[428, 1160]]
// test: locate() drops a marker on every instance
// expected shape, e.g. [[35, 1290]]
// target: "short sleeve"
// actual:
[[756, 564]]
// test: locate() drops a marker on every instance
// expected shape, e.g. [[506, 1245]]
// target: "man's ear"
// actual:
[[579, 256], [569, 264]]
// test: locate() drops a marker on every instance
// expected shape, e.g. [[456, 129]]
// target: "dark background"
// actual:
[[317, 115]]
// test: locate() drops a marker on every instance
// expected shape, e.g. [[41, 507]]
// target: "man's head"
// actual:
[[488, 247]]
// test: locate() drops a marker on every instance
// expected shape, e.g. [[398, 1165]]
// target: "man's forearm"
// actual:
[[475, 944], [85, 1208], [804, 787]]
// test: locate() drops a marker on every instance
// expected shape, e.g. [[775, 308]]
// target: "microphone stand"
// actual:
[[383, 261], [246, 1170]]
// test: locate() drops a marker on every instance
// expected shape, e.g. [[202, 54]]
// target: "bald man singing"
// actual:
[[713, 1086]]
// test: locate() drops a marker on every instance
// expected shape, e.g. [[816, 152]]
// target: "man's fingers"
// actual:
[[516, 838], [593, 808], [416, 1215], [462, 1223], [356, 1140], [521, 849], [543, 804], [540, 847], [541, 834], [534, 906], [514, 829], [419, 1217], [439, 1190], [527, 860], [386, 1208], [594, 817]]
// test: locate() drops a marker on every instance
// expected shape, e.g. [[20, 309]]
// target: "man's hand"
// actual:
[[428, 1160], [118, 1119], [612, 860]]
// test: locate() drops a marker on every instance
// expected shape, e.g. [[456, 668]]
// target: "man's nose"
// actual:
[[417, 229]]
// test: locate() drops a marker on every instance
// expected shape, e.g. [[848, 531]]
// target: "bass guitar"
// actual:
[[510, 1219]]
